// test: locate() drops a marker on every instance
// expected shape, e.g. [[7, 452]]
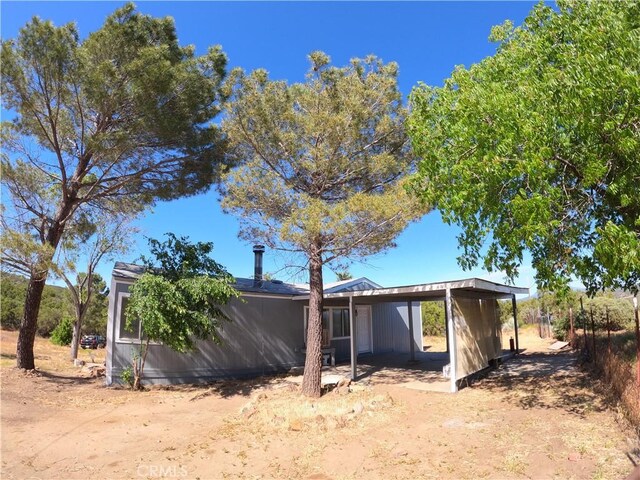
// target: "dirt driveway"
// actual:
[[516, 423]]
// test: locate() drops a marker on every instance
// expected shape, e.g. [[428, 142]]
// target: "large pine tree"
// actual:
[[322, 169], [113, 122]]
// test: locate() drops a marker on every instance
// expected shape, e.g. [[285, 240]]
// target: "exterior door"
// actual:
[[363, 326]]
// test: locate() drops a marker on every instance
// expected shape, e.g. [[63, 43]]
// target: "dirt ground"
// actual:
[[537, 417]]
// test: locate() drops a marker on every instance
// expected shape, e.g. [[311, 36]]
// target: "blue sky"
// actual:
[[426, 39]]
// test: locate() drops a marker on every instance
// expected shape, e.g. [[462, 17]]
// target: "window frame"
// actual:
[[330, 310], [348, 326], [130, 341]]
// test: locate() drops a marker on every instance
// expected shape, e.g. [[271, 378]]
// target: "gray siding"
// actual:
[[343, 349], [264, 337], [391, 327]]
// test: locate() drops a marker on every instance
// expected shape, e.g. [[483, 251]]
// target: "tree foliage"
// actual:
[[610, 312], [433, 319], [343, 275], [55, 304], [322, 169], [179, 298], [108, 235], [110, 123], [538, 147], [63, 333]]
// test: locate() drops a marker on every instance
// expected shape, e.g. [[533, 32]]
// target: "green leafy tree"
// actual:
[[86, 294], [63, 333], [536, 147], [178, 299], [14, 289], [322, 169], [108, 235], [433, 319], [95, 320], [54, 306], [112, 122]]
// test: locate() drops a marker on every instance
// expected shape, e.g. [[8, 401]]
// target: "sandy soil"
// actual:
[[536, 418]]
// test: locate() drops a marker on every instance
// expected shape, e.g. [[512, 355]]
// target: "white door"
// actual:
[[363, 326]]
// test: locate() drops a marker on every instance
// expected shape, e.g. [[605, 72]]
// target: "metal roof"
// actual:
[[428, 291], [424, 291], [130, 271]]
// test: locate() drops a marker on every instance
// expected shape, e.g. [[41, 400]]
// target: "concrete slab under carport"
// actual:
[[425, 373]]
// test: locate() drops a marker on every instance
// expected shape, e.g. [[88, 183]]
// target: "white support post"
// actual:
[[515, 321], [412, 343], [453, 361], [352, 328], [446, 324]]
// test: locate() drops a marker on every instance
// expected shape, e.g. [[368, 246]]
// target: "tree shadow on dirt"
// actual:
[[227, 388], [61, 379], [545, 381]]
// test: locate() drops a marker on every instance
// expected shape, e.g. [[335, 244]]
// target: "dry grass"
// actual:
[[512, 425], [48, 357], [515, 463], [434, 344], [615, 366], [276, 410]]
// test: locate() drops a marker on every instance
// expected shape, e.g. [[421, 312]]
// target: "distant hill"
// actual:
[[13, 288]]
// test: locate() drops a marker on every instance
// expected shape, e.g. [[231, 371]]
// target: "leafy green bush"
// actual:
[[433, 318], [127, 376], [609, 312], [63, 333]]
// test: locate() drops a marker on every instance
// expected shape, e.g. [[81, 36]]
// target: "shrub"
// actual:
[[619, 310], [63, 333], [127, 376], [433, 319]]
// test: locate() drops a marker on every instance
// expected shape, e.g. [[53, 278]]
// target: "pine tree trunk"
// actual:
[[28, 327], [311, 380], [27, 335]]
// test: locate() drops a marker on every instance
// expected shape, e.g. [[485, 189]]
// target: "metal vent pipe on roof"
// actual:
[[258, 250]]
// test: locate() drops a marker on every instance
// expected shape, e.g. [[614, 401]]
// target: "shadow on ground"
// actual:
[[225, 388], [545, 380]]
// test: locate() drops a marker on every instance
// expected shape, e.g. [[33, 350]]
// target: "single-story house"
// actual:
[[268, 324]]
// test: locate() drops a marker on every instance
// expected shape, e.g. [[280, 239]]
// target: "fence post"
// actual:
[[608, 329], [593, 335], [584, 326], [635, 311], [571, 331]]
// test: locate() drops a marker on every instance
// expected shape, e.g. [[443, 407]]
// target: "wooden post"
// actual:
[[608, 329], [571, 330], [635, 311], [515, 321], [412, 343], [352, 327], [593, 336], [539, 322], [452, 342], [584, 326]]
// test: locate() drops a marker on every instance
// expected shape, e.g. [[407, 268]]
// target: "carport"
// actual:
[[473, 324]]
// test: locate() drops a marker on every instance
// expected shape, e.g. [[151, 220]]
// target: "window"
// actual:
[[124, 333], [340, 319], [335, 324]]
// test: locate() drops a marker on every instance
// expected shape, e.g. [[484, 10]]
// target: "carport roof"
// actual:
[[427, 291]]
